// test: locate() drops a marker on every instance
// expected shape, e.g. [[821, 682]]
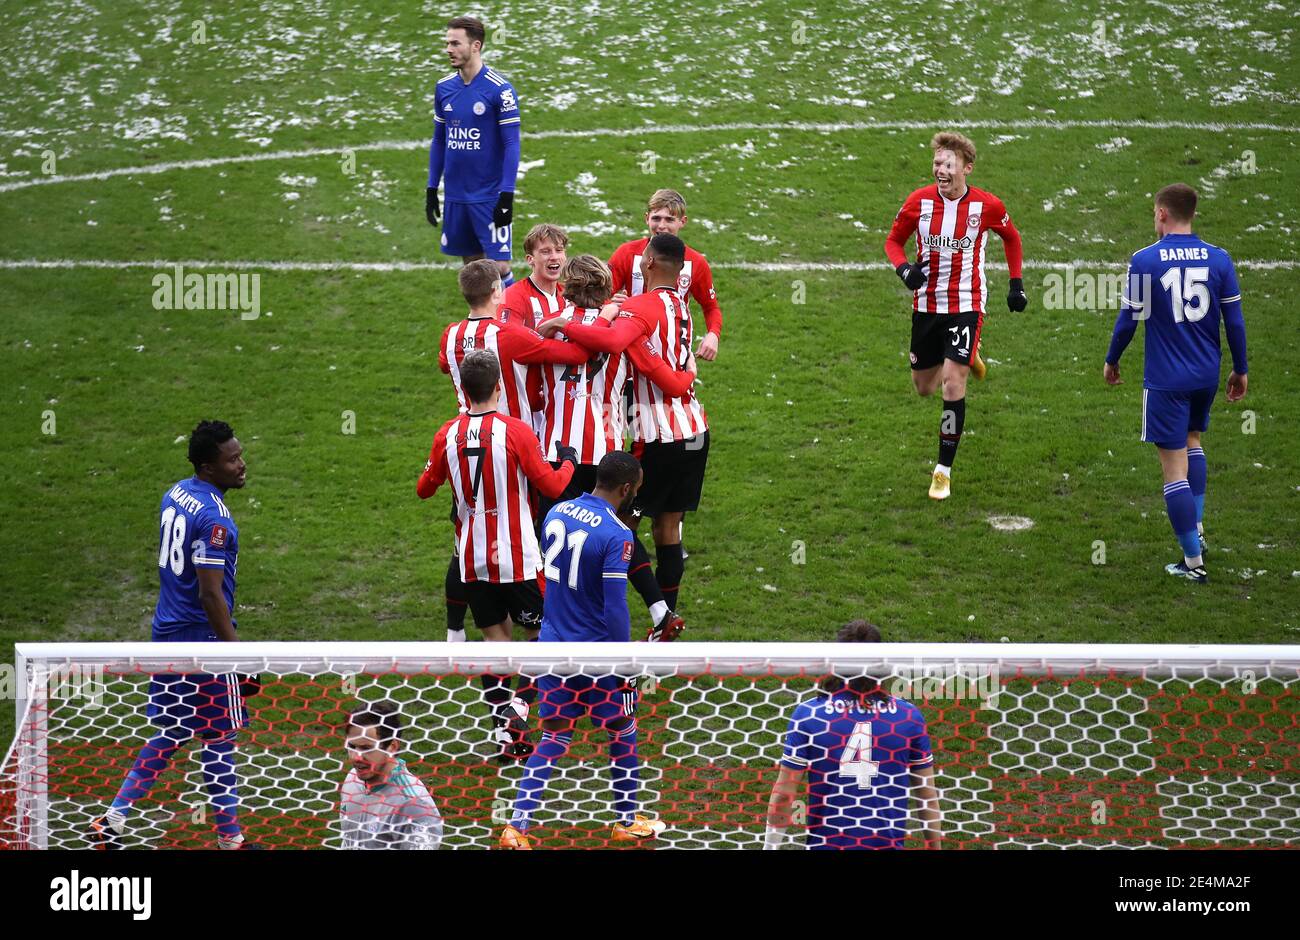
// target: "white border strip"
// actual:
[[1208, 127], [387, 267], [678, 658]]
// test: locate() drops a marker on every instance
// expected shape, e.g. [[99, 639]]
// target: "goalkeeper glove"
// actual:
[[565, 452], [1016, 299], [431, 205], [913, 275], [504, 212]]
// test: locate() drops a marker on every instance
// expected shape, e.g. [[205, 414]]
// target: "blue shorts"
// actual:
[[1167, 417], [467, 229], [607, 699], [201, 703]]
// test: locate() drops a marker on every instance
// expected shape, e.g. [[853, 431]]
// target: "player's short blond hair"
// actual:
[[546, 232], [959, 144], [669, 199], [587, 281]]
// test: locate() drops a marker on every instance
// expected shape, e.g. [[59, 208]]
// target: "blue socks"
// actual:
[[624, 771], [218, 758], [1196, 479], [1181, 506], [152, 760], [537, 771]]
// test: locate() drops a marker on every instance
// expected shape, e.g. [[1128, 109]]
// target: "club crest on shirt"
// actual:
[[974, 222], [683, 281], [218, 538], [479, 107]]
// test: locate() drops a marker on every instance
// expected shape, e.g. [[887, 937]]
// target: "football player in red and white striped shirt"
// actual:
[[584, 410], [670, 433], [519, 351], [515, 346], [951, 221], [490, 458], [665, 215], [540, 295]]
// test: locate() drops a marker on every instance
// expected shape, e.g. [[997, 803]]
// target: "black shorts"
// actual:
[[583, 481], [489, 603], [940, 336], [674, 474]]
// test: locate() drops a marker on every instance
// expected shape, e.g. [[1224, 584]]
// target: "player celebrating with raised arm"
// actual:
[[864, 752], [665, 215], [197, 556], [670, 434], [490, 459], [475, 150], [951, 221], [383, 805], [1180, 287], [584, 409], [587, 553], [541, 294]]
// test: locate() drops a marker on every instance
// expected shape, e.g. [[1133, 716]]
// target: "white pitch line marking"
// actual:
[[812, 127]]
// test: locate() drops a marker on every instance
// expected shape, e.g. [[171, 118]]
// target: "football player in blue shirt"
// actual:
[[475, 150], [197, 553], [1181, 286], [864, 751], [587, 549]]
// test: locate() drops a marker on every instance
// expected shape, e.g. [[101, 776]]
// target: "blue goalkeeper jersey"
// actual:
[[1180, 287], [586, 552], [859, 753], [477, 126], [195, 531]]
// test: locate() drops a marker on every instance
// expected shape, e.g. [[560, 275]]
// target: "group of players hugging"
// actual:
[[554, 376]]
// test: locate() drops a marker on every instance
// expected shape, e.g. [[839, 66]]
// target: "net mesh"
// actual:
[[1194, 755]]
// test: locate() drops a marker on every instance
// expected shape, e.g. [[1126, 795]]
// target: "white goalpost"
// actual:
[[1035, 745]]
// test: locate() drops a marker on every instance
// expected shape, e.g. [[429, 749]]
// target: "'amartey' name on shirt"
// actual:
[[191, 504]]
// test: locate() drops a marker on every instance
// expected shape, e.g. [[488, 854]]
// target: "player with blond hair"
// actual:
[[951, 221]]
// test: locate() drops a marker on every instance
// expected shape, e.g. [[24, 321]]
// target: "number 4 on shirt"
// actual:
[[856, 760]]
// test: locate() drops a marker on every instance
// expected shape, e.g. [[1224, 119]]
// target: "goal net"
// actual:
[[1062, 746]]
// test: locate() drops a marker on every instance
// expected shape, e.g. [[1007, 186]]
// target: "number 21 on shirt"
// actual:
[[555, 543]]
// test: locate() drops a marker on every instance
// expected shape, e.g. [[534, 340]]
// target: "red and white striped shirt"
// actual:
[[584, 404], [515, 347], [489, 459], [695, 280], [526, 303], [656, 414], [951, 234]]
